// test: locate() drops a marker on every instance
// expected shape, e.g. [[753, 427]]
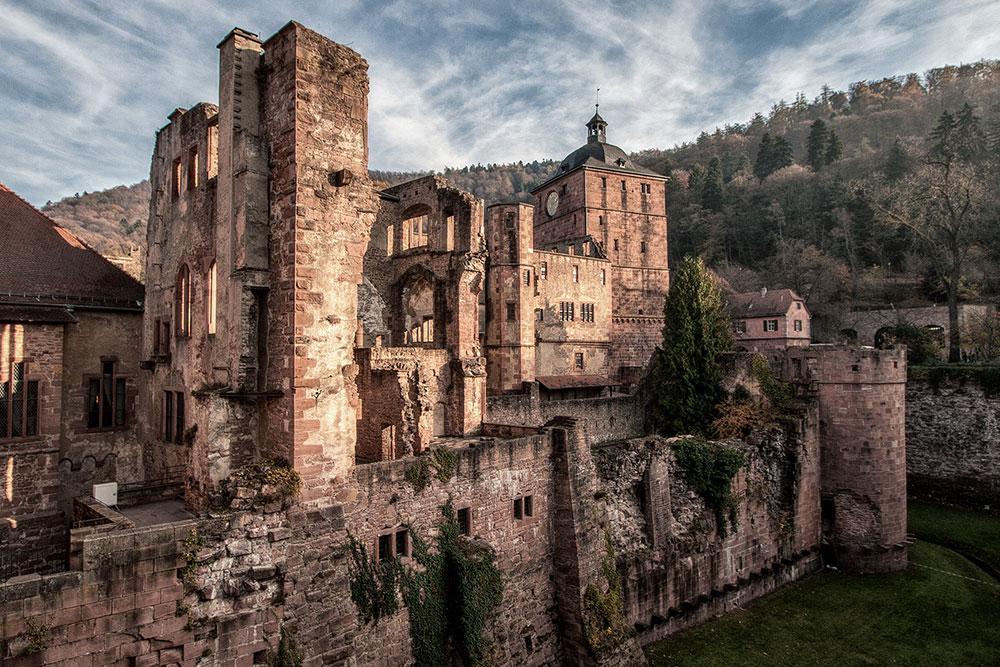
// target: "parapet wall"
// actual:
[[953, 439], [606, 419]]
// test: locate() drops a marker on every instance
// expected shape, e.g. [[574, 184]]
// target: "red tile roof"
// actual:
[[43, 263], [762, 303]]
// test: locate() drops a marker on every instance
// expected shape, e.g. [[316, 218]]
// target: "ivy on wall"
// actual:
[[709, 468], [442, 464], [450, 596], [374, 584], [604, 609]]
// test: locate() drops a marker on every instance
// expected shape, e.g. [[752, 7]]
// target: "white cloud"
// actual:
[[85, 85]]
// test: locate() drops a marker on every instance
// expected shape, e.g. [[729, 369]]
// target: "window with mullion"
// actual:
[[18, 403]]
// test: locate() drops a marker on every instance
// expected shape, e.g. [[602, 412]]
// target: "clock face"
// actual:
[[552, 203]]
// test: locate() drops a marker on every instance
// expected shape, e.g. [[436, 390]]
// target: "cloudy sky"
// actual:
[[85, 84]]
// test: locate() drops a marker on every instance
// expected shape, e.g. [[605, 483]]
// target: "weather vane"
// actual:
[[597, 100]]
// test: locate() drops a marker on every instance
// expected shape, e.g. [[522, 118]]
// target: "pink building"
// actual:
[[769, 320]]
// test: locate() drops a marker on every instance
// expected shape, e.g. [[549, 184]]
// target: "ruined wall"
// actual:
[[677, 567], [953, 441], [404, 399], [971, 317], [605, 419]]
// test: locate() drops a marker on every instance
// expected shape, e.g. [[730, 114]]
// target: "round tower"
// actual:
[[861, 394]]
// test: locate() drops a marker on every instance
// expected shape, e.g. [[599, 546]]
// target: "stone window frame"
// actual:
[[543, 270], [604, 277], [539, 314], [392, 538], [176, 175], [212, 299], [527, 277], [192, 169], [642, 247], [523, 509], [119, 403], [576, 273], [511, 311], [566, 311], [173, 418], [586, 312], [578, 361], [29, 386], [797, 325], [182, 302]]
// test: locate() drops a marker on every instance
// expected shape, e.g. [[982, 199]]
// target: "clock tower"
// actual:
[[602, 201]]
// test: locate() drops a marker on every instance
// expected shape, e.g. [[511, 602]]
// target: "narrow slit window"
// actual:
[[213, 291]]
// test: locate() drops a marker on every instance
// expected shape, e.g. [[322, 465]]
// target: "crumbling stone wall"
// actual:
[[677, 566], [953, 441]]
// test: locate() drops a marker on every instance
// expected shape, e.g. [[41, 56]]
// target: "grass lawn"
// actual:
[[931, 614], [968, 531]]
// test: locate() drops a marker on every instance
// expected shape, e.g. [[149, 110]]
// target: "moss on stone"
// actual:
[[604, 606]]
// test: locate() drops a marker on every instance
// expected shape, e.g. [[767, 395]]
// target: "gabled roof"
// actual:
[[762, 303], [45, 264]]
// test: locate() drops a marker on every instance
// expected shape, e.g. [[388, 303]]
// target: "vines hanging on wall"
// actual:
[[450, 595]]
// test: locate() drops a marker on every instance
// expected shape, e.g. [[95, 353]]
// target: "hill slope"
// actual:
[[813, 229]]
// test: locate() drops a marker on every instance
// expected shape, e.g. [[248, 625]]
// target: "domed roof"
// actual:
[[602, 153], [598, 153]]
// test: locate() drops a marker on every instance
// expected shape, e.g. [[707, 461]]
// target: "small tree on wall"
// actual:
[[685, 377]]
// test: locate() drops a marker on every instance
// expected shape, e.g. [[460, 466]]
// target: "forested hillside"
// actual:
[[849, 197]]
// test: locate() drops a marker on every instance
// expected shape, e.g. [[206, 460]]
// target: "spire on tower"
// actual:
[[596, 126]]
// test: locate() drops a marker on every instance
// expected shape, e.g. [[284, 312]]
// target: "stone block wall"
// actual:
[[605, 419], [953, 440], [121, 607], [861, 395]]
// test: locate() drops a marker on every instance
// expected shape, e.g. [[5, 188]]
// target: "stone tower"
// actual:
[[510, 325], [599, 194], [259, 220], [861, 394]]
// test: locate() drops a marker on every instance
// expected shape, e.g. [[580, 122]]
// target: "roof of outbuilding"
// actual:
[[761, 303], [45, 264], [574, 381]]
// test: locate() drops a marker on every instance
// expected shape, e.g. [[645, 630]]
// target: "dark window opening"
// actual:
[[402, 543], [106, 399], [529, 506], [511, 311], [579, 360], [518, 508], [465, 521], [385, 546]]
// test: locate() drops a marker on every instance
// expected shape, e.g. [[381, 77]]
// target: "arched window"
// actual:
[[182, 302], [212, 296]]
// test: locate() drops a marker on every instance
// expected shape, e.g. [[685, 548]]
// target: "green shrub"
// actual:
[[288, 653], [709, 468]]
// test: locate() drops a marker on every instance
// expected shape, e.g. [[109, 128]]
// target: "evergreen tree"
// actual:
[[762, 166], [898, 163], [817, 144], [686, 376], [696, 182], [968, 136], [834, 148], [941, 138], [711, 193], [782, 155]]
